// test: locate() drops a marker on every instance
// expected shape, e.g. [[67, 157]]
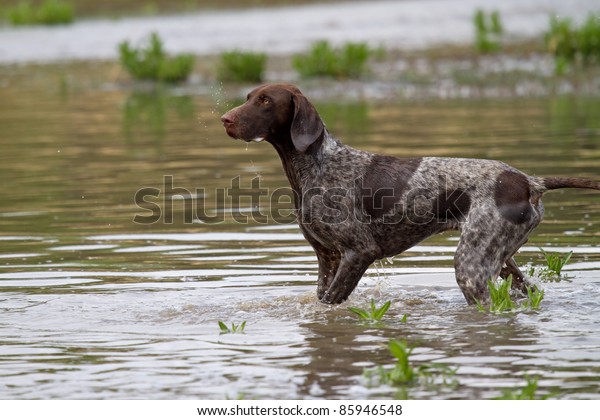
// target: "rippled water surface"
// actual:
[[94, 305]]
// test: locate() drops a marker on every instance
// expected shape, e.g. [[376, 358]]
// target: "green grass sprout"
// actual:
[[528, 392], [555, 261], [404, 373], [501, 300], [374, 314], [535, 296], [235, 329]]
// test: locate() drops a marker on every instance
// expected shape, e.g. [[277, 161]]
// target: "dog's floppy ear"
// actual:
[[307, 126]]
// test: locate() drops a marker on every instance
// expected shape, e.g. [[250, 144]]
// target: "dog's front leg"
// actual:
[[329, 262], [352, 266]]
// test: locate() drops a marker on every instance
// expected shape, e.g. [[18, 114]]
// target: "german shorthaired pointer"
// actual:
[[355, 207]]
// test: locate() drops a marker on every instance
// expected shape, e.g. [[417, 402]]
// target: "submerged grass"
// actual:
[[349, 61], [488, 30], [402, 372], [552, 271], [405, 374], [235, 329], [150, 62], [502, 302], [374, 314], [534, 298], [49, 12], [238, 66], [555, 261], [570, 44], [528, 392]]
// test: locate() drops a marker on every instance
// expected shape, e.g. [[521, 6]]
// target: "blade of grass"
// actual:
[[224, 328], [379, 313], [360, 312]]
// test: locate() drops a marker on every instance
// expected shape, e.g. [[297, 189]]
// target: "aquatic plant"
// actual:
[[150, 62], [235, 329], [237, 66], [374, 314], [569, 44], [240, 396], [488, 30], [526, 393], [50, 12], [535, 296], [501, 301], [544, 274], [555, 261], [404, 373], [349, 61]]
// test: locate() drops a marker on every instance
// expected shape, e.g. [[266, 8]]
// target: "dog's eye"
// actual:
[[264, 100]]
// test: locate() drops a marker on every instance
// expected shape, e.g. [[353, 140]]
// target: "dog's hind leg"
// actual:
[[473, 268], [510, 265], [482, 251], [518, 278]]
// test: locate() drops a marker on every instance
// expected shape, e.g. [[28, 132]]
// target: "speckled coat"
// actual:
[[355, 207]]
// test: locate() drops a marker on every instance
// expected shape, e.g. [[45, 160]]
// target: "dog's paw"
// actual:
[[333, 298]]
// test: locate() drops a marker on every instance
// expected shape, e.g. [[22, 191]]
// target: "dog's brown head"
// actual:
[[277, 113]]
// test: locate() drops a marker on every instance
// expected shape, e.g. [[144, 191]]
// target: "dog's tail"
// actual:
[[556, 183]]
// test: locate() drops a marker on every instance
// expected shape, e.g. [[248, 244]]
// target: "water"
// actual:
[[94, 305]]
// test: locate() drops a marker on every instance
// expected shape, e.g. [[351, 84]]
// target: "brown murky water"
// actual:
[[95, 305]]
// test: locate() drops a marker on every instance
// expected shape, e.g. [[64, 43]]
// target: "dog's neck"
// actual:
[[300, 167]]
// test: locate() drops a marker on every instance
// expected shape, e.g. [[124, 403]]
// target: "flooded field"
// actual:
[[96, 305], [407, 24]]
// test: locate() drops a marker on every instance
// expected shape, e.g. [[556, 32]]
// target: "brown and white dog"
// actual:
[[355, 207]]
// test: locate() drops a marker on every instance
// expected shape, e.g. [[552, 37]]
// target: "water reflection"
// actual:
[[349, 121], [145, 114], [575, 120]]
